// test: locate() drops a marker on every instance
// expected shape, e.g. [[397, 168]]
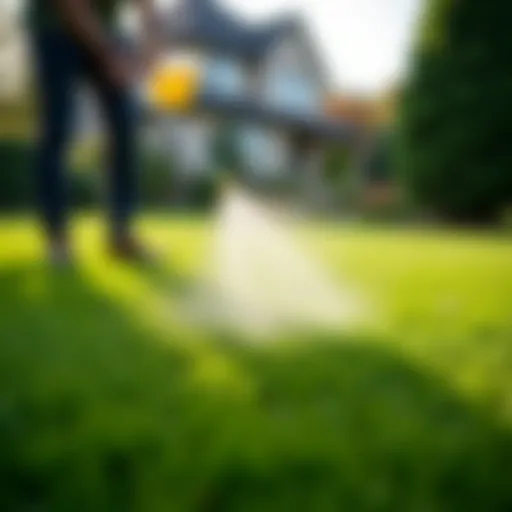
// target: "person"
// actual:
[[75, 41]]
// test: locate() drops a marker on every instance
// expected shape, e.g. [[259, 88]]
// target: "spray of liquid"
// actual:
[[259, 277]]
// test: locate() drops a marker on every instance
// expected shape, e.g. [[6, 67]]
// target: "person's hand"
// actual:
[[148, 58], [121, 70]]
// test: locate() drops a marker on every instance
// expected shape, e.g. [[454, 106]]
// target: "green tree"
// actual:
[[455, 121]]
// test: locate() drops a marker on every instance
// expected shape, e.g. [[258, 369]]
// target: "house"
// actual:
[[266, 79]]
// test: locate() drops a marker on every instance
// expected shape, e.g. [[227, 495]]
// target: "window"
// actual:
[[264, 151], [224, 76], [293, 93], [290, 83]]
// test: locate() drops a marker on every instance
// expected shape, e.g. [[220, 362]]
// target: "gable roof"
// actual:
[[206, 23]]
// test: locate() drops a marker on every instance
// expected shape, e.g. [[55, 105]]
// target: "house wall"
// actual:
[[191, 140], [289, 79], [266, 151], [224, 75], [187, 142], [285, 80]]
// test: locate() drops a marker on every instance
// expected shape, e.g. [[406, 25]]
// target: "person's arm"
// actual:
[[81, 20]]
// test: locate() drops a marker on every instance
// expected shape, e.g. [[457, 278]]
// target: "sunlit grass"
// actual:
[[108, 401]]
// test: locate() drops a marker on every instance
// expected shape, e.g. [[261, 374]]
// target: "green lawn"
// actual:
[[107, 402]]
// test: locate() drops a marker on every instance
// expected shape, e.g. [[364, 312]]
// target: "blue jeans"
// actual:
[[61, 67]]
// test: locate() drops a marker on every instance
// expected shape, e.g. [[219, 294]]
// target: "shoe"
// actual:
[[130, 250], [59, 255]]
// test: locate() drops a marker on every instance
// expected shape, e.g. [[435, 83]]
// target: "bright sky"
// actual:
[[364, 43]]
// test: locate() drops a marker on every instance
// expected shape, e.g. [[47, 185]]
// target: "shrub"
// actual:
[[15, 177], [456, 112]]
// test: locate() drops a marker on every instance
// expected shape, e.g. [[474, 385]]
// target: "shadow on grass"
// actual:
[[97, 413]]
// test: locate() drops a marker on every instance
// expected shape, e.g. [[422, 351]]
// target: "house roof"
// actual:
[[248, 110], [206, 23]]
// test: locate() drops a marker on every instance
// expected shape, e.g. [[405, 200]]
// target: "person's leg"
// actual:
[[120, 110], [56, 66], [118, 106]]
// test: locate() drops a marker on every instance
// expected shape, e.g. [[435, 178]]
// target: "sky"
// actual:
[[364, 43]]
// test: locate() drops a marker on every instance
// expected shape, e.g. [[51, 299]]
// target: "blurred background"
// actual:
[[386, 124]]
